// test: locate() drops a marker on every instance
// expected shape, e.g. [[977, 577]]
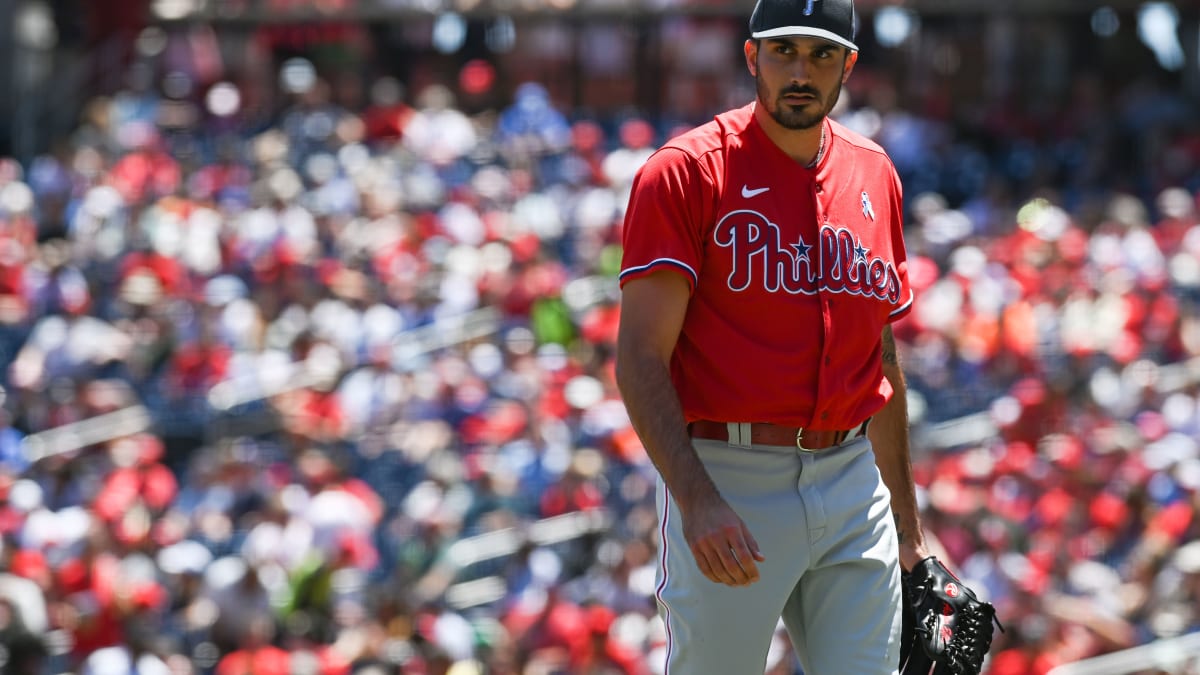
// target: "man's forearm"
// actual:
[[889, 437], [657, 416]]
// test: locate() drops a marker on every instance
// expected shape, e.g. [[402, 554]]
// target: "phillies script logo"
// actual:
[[840, 263]]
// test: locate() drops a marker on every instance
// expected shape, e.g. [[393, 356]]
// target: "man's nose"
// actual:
[[799, 70]]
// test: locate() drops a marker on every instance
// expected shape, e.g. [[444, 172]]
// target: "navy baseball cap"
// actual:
[[832, 20]]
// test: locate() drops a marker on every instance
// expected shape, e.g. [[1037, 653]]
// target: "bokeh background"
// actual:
[[307, 315]]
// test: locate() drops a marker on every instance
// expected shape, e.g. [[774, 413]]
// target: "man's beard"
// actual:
[[788, 116]]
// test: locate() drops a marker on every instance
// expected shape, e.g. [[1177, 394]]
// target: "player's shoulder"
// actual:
[[861, 155], [856, 141], [716, 135]]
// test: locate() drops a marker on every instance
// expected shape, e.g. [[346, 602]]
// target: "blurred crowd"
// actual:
[[375, 347]]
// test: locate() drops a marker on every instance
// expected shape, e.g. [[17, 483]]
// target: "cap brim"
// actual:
[[804, 31]]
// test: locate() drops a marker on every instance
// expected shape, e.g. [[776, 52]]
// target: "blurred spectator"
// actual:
[[24, 650], [531, 125], [387, 114], [437, 132]]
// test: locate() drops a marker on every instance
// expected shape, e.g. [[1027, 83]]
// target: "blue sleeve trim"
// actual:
[[641, 269]]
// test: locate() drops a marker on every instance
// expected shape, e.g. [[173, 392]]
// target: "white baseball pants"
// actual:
[[823, 522]]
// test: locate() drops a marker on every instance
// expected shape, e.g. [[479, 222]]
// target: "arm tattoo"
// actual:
[[900, 536], [889, 347]]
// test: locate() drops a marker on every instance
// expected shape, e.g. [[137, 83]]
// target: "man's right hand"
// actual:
[[722, 545]]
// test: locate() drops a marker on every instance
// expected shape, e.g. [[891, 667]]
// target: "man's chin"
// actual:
[[797, 117], [799, 122]]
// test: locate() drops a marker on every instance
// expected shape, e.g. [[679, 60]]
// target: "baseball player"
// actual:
[[763, 263]]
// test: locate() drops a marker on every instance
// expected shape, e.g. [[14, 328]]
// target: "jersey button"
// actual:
[[828, 360], [824, 416], [820, 188]]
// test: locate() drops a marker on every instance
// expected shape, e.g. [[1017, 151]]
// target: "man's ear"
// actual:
[[851, 59], [751, 50]]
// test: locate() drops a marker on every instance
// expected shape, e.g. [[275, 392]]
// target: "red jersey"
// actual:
[[794, 271]]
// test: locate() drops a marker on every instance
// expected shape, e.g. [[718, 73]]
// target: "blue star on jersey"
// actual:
[[801, 249]]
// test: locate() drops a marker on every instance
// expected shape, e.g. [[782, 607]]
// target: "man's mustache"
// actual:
[[797, 89]]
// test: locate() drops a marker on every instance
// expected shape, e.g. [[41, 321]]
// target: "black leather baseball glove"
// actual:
[[947, 630]]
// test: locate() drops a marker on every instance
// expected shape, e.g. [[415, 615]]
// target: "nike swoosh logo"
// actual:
[[748, 193]]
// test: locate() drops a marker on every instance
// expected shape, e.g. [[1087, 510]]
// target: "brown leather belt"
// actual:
[[762, 433]]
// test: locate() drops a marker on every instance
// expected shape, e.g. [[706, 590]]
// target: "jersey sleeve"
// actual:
[[900, 253], [670, 206]]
